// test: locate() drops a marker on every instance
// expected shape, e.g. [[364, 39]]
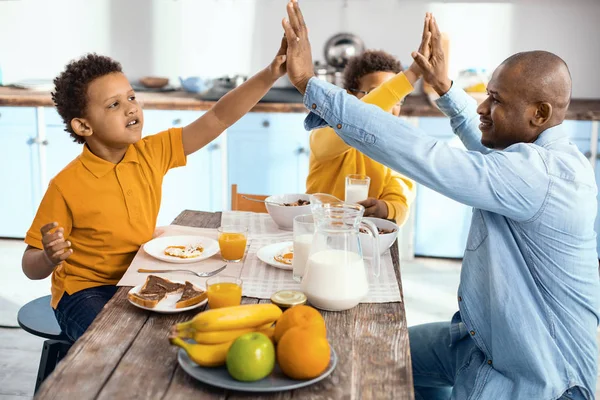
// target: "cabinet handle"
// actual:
[[301, 150], [588, 154], [266, 123], [214, 146], [37, 141], [177, 121]]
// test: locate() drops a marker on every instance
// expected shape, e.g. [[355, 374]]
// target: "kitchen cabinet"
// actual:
[[19, 178], [268, 153], [200, 184], [441, 224]]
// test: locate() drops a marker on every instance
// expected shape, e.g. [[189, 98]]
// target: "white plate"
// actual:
[[266, 254], [167, 304], [156, 248]]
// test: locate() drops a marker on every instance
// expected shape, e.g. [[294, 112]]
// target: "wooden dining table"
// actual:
[[125, 354]]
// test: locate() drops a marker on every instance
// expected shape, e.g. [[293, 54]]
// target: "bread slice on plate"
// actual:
[[148, 300], [190, 296], [155, 284]]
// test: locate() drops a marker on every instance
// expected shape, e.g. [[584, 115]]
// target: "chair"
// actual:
[[37, 318], [238, 203]]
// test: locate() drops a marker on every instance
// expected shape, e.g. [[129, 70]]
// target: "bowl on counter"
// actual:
[[195, 84], [283, 215], [385, 239], [154, 82]]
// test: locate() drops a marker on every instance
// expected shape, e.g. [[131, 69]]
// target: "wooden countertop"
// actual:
[[414, 106]]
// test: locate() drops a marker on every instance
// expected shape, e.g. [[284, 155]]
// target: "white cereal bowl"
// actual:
[[385, 240], [284, 215]]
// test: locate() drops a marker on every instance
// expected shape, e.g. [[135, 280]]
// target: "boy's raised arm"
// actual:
[[234, 105]]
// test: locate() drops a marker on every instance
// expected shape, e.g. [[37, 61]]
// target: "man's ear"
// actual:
[[81, 127], [543, 113]]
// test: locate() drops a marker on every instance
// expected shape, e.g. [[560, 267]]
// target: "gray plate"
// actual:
[[276, 382]]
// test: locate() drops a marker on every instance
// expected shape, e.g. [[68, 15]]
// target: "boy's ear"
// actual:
[[81, 127]]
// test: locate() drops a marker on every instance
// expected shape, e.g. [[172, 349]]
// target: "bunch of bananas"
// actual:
[[214, 331]]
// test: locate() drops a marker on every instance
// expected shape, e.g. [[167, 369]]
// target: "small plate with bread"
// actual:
[[168, 297], [182, 249], [278, 255]]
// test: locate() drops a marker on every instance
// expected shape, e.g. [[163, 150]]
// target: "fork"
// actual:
[[201, 274]]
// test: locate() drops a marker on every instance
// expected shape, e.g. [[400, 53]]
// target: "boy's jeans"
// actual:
[[76, 312], [444, 372]]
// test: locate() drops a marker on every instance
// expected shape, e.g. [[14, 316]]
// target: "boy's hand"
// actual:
[[424, 49], [299, 57], [55, 247], [278, 65], [374, 208], [433, 65]]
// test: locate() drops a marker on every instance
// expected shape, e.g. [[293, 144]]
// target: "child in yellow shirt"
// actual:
[[101, 207], [376, 78]]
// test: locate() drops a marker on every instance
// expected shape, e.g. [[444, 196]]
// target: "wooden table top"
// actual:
[[125, 353]]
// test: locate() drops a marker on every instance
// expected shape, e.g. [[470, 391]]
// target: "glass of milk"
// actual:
[[357, 188], [304, 228]]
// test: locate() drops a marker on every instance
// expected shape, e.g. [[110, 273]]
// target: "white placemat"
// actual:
[[261, 280], [259, 225], [143, 260]]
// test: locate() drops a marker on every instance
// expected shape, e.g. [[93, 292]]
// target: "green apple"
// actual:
[[251, 357]]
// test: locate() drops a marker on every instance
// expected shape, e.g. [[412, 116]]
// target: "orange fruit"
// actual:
[[301, 354], [300, 316]]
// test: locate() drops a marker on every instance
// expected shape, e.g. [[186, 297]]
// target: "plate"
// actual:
[[266, 254], [167, 304], [276, 382], [156, 248]]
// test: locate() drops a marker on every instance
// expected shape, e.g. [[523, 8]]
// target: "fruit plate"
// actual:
[[156, 248], [266, 254], [167, 305], [276, 382]]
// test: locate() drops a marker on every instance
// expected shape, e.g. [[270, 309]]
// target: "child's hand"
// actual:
[[374, 208], [278, 65], [414, 72], [55, 247]]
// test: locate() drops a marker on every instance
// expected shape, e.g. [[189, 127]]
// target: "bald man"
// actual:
[[529, 295]]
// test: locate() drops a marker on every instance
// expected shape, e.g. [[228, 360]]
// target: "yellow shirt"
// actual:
[[331, 160], [107, 210]]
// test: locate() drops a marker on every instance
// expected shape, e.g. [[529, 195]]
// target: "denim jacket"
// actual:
[[529, 292]]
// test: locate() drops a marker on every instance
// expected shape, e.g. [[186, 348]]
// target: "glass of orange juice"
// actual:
[[224, 291], [232, 242]]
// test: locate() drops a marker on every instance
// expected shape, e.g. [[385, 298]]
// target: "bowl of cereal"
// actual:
[[388, 232], [284, 207]]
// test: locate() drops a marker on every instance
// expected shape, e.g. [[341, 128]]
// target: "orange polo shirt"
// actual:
[[107, 210]]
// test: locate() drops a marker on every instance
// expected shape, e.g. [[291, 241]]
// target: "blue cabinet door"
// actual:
[[441, 224], [198, 185], [59, 145], [268, 153], [20, 170]]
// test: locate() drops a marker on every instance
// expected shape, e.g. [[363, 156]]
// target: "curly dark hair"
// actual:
[[70, 87], [368, 62]]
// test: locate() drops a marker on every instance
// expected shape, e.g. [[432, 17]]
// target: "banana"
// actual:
[[205, 355], [227, 318], [215, 337]]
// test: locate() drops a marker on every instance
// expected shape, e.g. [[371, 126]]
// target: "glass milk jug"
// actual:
[[335, 278]]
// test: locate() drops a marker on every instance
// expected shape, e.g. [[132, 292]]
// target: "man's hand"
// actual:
[[374, 208], [277, 68], [299, 57], [433, 66], [56, 248]]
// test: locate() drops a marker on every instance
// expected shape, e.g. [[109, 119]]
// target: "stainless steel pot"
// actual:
[[340, 48]]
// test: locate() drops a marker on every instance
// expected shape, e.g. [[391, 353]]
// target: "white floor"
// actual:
[[429, 292]]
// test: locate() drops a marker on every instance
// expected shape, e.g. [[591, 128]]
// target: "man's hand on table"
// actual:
[[431, 58], [299, 57]]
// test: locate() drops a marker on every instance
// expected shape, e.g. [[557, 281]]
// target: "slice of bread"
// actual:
[[148, 300], [156, 285], [190, 296]]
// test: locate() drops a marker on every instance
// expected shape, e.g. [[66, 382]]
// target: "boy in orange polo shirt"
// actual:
[[102, 206], [376, 78]]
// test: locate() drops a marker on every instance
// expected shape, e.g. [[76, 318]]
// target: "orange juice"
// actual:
[[232, 245], [224, 294]]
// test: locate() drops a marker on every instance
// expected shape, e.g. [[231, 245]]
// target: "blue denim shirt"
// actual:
[[529, 291]]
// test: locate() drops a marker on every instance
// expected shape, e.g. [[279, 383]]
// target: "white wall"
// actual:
[[217, 37]]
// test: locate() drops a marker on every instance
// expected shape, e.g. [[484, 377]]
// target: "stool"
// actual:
[[37, 318]]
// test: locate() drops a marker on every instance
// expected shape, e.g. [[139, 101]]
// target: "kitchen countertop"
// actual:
[[414, 106]]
